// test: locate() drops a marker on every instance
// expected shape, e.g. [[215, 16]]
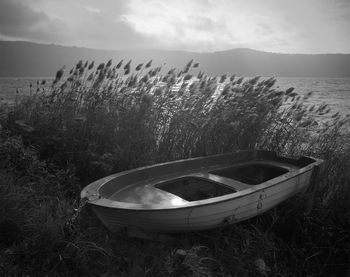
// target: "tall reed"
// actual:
[[100, 120]]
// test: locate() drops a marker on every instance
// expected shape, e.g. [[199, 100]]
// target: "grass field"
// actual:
[[98, 120]]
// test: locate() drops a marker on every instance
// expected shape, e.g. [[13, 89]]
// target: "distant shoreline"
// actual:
[[33, 59]]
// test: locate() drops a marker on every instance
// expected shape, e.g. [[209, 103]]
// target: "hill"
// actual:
[[27, 59]]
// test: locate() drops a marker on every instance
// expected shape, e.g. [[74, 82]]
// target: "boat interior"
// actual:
[[252, 174], [195, 188], [220, 182], [205, 182]]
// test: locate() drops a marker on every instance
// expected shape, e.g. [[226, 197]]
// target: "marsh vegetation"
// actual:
[[98, 120]]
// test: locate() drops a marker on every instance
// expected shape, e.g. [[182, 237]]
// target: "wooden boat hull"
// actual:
[[246, 202]]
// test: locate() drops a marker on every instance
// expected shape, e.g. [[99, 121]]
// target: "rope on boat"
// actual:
[[70, 222]]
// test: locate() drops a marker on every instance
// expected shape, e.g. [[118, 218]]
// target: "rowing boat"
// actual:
[[198, 193]]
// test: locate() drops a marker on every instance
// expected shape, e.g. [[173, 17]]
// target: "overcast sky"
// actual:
[[287, 26]]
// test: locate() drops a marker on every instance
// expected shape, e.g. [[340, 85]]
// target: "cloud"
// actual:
[[106, 29], [18, 21], [274, 25], [202, 25], [93, 10], [198, 25], [94, 24]]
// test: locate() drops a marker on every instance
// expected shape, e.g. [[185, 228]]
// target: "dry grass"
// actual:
[[97, 121]]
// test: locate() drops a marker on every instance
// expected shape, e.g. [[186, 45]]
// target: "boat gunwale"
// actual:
[[93, 188]]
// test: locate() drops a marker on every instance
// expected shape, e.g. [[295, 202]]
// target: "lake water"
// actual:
[[9, 87], [333, 91]]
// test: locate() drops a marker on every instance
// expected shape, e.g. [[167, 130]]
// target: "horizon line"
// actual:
[[171, 50]]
